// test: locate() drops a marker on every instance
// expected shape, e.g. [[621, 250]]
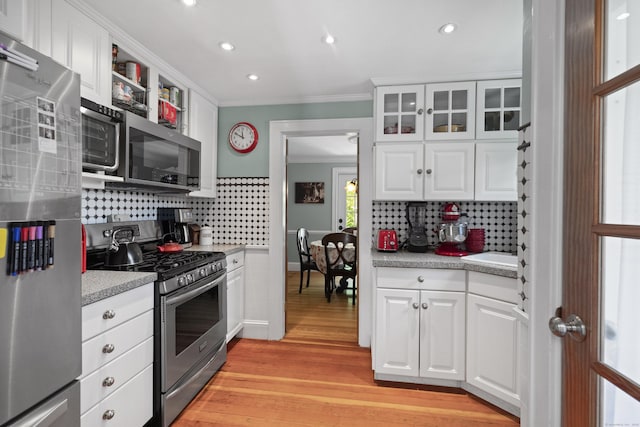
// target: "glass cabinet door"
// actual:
[[498, 109], [450, 111], [399, 110]]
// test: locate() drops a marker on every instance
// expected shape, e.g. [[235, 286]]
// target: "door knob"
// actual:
[[574, 326]]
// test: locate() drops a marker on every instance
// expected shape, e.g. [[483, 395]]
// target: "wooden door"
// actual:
[[601, 373]]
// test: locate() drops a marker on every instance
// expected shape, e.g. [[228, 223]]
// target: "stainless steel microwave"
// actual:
[[100, 136], [152, 155]]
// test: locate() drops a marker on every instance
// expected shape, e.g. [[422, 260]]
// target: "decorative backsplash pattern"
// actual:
[[239, 214], [499, 219]]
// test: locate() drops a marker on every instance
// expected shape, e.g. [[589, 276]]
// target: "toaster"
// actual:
[[387, 241]]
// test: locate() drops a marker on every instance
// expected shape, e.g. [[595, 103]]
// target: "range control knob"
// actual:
[[182, 281], [189, 277], [203, 272]]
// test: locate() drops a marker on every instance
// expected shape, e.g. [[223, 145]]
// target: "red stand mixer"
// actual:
[[452, 231]]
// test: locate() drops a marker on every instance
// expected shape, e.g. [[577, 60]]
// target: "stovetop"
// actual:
[[165, 264]]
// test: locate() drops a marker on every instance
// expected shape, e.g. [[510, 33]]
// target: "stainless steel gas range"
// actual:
[[190, 320]]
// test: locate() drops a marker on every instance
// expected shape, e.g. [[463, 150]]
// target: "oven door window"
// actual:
[[195, 317], [99, 143]]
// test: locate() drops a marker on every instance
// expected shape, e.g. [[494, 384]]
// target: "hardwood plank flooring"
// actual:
[[318, 376]]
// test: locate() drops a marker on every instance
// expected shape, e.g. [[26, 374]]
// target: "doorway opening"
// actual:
[[326, 164]]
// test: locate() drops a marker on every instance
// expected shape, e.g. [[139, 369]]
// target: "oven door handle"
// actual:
[[180, 298], [197, 374]]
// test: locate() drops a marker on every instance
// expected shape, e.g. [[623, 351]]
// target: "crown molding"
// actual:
[[298, 100], [445, 78]]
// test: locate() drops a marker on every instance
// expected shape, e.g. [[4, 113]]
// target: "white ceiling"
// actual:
[[387, 41]]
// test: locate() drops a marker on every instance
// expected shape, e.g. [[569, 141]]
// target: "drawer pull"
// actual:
[[108, 382], [109, 314], [108, 414], [108, 348], [420, 279]]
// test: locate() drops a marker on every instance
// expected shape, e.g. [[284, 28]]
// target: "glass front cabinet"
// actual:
[[450, 111], [399, 113], [498, 104]]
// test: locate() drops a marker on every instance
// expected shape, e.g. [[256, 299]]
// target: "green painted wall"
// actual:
[[256, 163]]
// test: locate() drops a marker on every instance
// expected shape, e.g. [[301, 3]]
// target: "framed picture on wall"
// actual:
[[309, 192]]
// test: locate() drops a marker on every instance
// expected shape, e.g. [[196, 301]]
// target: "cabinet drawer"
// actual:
[[498, 287], [235, 260], [123, 338], [117, 310], [418, 278], [120, 370], [131, 404]]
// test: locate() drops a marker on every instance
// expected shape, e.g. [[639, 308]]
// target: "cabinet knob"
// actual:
[[235, 261], [420, 279], [108, 414], [108, 348], [108, 382], [429, 171], [419, 171], [420, 111], [430, 110], [109, 314], [425, 305], [416, 305]]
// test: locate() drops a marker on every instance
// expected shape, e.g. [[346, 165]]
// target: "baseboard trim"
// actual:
[[255, 329]]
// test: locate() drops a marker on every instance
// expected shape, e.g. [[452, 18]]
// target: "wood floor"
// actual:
[[318, 376]]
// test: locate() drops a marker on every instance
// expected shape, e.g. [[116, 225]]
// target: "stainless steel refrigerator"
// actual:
[[40, 239]]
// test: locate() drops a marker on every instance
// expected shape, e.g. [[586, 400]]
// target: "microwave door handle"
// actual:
[[179, 299]]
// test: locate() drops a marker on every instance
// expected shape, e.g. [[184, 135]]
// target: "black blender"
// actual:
[[417, 218]]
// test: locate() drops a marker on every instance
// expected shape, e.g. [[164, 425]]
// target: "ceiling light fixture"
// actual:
[[226, 46], [623, 16], [447, 28], [253, 77], [329, 39], [189, 2]]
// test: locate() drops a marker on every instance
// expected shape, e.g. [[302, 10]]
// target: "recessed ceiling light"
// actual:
[[189, 2], [252, 77], [227, 46], [447, 28], [329, 39], [623, 16]]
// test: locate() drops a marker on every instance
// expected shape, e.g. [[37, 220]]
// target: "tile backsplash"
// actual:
[[240, 213], [499, 219]]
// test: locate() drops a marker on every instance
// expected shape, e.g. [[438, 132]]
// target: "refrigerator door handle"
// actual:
[[48, 416]]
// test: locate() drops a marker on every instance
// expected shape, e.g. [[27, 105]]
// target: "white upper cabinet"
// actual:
[[498, 103], [448, 173], [84, 46], [450, 111], [496, 171], [400, 113], [13, 16], [203, 126], [399, 171]]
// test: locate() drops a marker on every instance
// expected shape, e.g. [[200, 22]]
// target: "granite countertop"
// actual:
[[100, 284], [404, 259]]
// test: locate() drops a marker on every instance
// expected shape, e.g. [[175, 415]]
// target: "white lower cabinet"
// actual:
[[235, 294], [116, 386], [420, 333], [492, 347]]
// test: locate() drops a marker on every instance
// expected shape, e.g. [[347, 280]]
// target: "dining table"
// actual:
[[318, 254]]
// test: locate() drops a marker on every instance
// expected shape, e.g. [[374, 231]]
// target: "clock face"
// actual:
[[243, 137]]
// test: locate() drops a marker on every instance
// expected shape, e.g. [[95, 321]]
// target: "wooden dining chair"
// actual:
[[304, 254], [350, 230], [339, 264]]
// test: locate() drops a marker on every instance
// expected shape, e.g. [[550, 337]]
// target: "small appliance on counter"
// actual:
[[387, 241], [416, 216], [175, 224], [452, 232]]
